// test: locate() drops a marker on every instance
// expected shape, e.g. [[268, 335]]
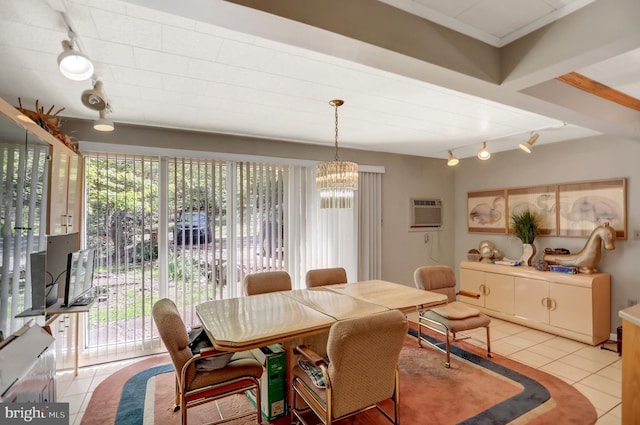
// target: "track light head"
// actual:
[[452, 160], [103, 124], [527, 145], [73, 64], [483, 153], [94, 98]]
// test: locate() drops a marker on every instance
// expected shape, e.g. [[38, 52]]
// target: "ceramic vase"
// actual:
[[528, 252]]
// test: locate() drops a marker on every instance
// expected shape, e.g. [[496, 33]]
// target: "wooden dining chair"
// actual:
[[328, 276], [263, 282], [451, 318], [241, 372]]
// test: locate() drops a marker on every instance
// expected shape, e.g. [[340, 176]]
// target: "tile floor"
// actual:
[[595, 372]]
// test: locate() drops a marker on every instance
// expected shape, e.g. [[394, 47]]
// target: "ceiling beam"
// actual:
[[386, 27], [596, 32], [585, 83]]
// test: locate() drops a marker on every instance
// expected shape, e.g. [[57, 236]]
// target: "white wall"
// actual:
[[409, 177], [586, 159]]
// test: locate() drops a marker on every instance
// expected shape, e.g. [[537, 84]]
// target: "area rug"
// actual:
[[475, 390]]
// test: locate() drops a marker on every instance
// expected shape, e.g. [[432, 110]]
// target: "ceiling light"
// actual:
[[72, 63], [483, 153], [94, 98], [527, 145], [103, 124], [452, 160], [337, 180]]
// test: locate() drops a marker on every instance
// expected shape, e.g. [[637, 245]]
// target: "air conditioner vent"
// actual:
[[426, 213]]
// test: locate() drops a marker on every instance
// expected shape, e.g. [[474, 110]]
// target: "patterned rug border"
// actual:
[[130, 407], [532, 396]]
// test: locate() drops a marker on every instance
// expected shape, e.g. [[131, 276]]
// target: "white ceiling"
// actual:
[[216, 66]]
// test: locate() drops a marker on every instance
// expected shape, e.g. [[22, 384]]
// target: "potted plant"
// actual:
[[525, 226]]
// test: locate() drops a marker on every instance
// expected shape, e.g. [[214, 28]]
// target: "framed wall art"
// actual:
[[539, 199], [583, 206], [486, 211], [566, 209]]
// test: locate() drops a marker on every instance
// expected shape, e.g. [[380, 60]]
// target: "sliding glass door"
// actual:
[[187, 229]]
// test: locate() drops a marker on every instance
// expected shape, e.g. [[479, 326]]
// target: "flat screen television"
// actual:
[[79, 278]]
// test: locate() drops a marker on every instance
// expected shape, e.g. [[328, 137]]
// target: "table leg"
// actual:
[[290, 361], [77, 343]]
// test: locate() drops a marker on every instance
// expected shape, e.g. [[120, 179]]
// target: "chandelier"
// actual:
[[337, 180]]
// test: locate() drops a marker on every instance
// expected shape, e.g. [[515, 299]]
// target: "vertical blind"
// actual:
[[368, 210], [121, 224], [221, 220]]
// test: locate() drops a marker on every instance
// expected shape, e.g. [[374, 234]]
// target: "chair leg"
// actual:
[[258, 405], [489, 343], [396, 399], [183, 403], [176, 406], [295, 410], [448, 349]]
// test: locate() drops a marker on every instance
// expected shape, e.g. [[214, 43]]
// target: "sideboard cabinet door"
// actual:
[[472, 281], [499, 293], [572, 308], [532, 299]]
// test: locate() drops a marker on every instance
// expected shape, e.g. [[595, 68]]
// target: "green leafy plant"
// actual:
[[525, 226]]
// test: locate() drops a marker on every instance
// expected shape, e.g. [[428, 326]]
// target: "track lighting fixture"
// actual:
[[483, 153], [72, 63], [94, 98], [527, 145], [103, 124], [452, 160]]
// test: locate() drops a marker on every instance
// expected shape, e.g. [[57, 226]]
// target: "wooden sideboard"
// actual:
[[573, 306]]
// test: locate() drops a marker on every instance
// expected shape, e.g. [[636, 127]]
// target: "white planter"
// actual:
[[528, 252]]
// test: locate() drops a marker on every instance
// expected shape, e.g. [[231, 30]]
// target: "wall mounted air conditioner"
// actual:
[[426, 213]]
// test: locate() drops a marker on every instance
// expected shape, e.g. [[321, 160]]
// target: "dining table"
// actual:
[[304, 316], [243, 323]]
